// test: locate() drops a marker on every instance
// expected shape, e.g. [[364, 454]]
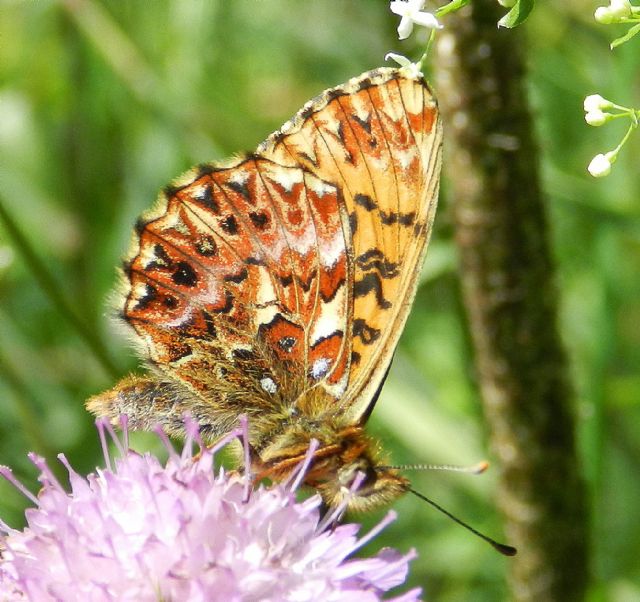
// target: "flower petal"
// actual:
[[405, 28]]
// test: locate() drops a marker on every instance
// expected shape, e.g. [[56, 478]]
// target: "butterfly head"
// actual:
[[345, 469], [376, 487]]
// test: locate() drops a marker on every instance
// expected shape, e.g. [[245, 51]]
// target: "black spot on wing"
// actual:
[[205, 196], [229, 224], [305, 285], [255, 261], [309, 109], [161, 258], [286, 280], [260, 219], [366, 82], [365, 124], [206, 246], [371, 282], [244, 354], [184, 275], [365, 201], [367, 334], [241, 188], [237, 278], [140, 225], [333, 94], [407, 219], [287, 344], [353, 222], [388, 218], [209, 321], [404, 219], [374, 259], [171, 190], [170, 302], [149, 296], [228, 304], [205, 169]]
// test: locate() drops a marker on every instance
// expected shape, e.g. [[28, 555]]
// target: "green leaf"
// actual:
[[626, 37], [453, 6], [517, 14]]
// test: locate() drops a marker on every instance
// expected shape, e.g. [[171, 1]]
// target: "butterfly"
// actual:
[[276, 285]]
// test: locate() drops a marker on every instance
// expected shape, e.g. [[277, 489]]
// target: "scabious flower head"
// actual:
[[143, 531]]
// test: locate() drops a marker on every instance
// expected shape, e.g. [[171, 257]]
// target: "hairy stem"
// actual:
[[511, 301]]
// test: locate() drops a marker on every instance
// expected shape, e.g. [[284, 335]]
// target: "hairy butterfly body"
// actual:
[[277, 285]]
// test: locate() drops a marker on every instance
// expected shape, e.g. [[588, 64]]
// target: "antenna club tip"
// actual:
[[481, 467], [505, 549]]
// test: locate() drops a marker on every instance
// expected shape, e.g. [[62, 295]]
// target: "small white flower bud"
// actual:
[[620, 9], [600, 166], [596, 118], [603, 15], [595, 102]]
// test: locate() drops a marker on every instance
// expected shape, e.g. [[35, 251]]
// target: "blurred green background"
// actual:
[[103, 103]]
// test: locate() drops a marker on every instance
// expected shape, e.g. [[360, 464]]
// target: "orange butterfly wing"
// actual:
[[379, 138], [252, 282]]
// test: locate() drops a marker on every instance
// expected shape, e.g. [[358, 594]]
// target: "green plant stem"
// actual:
[[508, 289], [52, 291], [29, 416]]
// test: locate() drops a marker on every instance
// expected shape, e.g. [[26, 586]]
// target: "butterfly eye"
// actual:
[[348, 474]]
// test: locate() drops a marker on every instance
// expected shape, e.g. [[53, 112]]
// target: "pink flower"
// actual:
[[143, 531]]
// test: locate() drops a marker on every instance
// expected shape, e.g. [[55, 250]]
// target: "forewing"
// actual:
[[379, 139]]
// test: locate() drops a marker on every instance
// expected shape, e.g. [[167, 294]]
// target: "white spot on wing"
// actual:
[[239, 177], [320, 368], [198, 192], [332, 252], [320, 187], [287, 178], [268, 385], [331, 319], [339, 388], [306, 241]]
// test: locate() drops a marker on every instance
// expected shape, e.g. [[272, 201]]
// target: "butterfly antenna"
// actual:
[[500, 547], [478, 468]]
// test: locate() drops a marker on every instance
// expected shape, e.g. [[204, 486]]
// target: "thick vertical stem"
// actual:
[[511, 301]]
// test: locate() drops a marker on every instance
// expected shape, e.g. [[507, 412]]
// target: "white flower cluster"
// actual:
[[411, 14], [598, 112], [594, 106]]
